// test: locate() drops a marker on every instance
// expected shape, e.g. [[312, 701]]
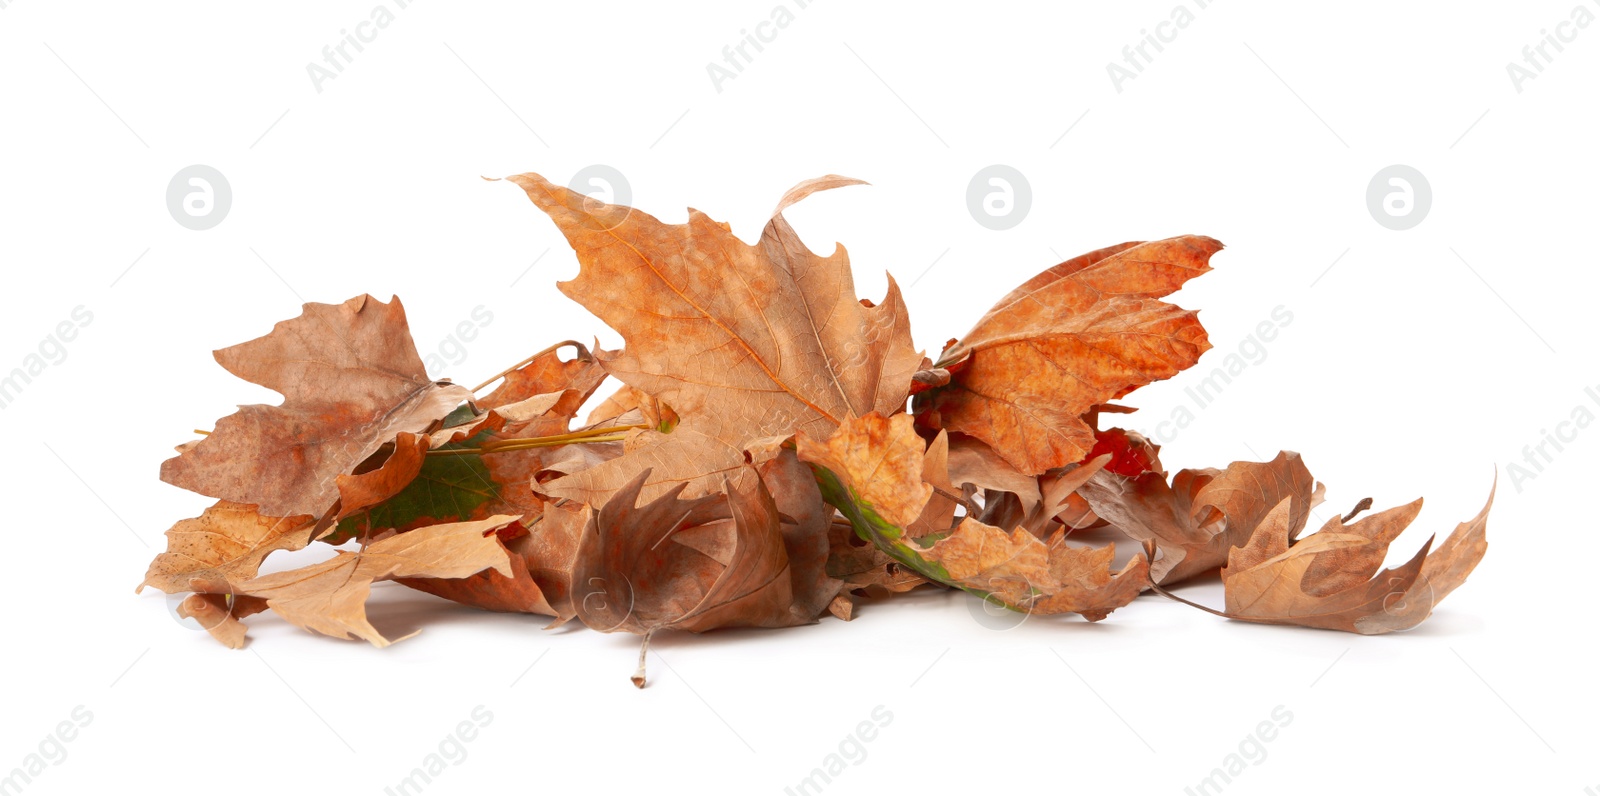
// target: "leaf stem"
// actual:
[[644, 646], [1156, 587], [583, 353], [1363, 505], [606, 434]]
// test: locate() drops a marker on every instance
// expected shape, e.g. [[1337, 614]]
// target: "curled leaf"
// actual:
[[1331, 579]]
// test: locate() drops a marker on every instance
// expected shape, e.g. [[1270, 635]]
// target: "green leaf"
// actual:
[[449, 489]]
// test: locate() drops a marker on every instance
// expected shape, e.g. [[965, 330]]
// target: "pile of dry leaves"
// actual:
[[760, 467]]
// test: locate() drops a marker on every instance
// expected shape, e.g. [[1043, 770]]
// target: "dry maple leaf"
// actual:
[[222, 548], [1202, 514], [351, 381], [871, 469], [1083, 332], [1330, 579], [330, 597], [741, 341]]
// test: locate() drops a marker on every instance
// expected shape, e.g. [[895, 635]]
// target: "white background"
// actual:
[[1419, 363]]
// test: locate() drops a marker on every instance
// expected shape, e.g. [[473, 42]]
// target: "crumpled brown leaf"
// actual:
[[541, 570], [351, 381], [222, 548], [1082, 333], [1202, 514], [330, 597], [219, 614], [713, 561], [1034, 576], [741, 341], [1330, 579]]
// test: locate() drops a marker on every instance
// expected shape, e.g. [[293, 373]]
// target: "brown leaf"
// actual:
[[541, 570], [1082, 333], [713, 561], [219, 614], [804, 520], [351, 381], [223, 548], [330, 597], [740, 341], [363, 489], [880, 460], [863, 568], [1034, 576], [548, 373], [972, 462], [657, 415], [938, 514], [1330, 579], [538, 399], [1196, 519]]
